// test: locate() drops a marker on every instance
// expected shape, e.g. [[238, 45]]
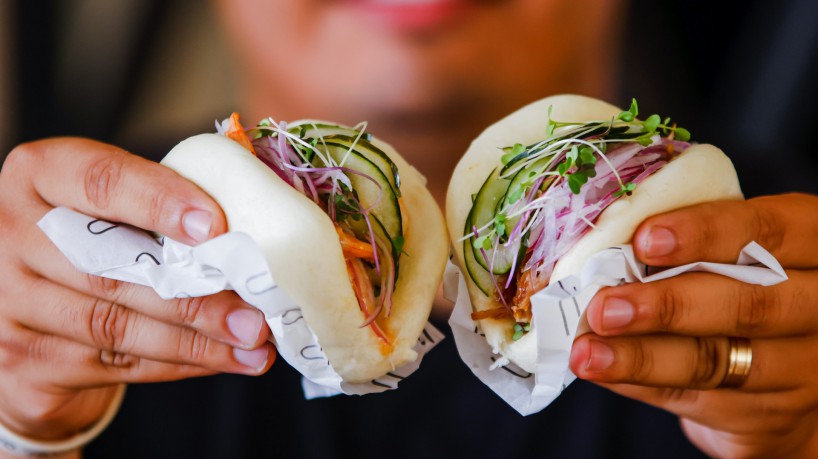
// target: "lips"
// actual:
[[411, 15]]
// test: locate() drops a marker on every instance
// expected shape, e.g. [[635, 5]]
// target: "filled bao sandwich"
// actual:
[[544, 189], [346, 225]]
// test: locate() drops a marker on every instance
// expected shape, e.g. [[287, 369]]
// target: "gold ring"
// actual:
[[739, 361]]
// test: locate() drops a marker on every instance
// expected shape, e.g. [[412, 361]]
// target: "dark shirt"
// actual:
[[440, 411], [743, 79]]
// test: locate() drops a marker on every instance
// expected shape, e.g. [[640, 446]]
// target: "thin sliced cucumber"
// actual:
[[590, 130], [370, 152], [346, 137], [307, 130], [376, 194], [483, 211], [517, 187], [481, 277]]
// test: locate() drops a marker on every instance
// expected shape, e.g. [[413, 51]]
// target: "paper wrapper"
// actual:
[[557, 310], [232, 261]]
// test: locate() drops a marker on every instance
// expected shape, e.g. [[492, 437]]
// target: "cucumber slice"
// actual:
[[346, 137], [514, 191], [386, 209], [588, 130], [370, 152], [307, 130], [477, 272], [483, 211]]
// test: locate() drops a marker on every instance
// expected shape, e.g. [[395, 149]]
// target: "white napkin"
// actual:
[[229, 262], [557, 310]]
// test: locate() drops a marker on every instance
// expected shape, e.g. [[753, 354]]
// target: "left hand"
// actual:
[[665, 342]]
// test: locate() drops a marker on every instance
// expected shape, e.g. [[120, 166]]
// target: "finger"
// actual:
[[108, 183], [703, 304], [66, 364], [727, 410], [718, 443], [223, 316], [786, 225], [686, 362], [109, 326], [785, 435]]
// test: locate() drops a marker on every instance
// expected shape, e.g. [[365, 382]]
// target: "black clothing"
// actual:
[[440, 411], [742, 79]]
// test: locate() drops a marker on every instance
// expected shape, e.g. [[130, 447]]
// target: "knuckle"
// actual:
[[108, 324], [159, 211], [707, 237], [766, 229], [193, 346], [117, 359], [671, 309], [22, 157], [189, 310], [39, 348], [642, 363], [104, 287], [709, 359], [755, 308], [12, 351], [102, 178]]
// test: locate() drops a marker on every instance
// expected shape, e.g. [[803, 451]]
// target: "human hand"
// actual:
[[665, 343], [67, 339]]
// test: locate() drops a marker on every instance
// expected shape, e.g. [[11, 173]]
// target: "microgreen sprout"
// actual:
[[626, 189], [520, 329], [547, 194], [355, 183]]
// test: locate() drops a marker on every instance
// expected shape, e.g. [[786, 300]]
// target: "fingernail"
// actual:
[[601, 358], [255, 359], [197, 224], [616, 312], [660, 242], [245, 325]]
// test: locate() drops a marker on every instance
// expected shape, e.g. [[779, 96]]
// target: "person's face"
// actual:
[[439, 67]]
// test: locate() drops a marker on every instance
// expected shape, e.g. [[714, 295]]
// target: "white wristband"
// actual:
[[20, 446]]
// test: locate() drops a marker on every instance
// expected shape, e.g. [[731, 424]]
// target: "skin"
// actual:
[[67, 339], [64, 350], [664, 342], [428, 89]]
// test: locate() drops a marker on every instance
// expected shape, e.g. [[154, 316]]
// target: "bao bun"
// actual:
[[304, 255], [701, 173]]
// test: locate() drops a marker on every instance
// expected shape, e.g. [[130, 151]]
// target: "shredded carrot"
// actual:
[[236, 132], [352, 247], [366, 299]]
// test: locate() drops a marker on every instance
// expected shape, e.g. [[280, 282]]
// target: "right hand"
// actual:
[[67, 339]]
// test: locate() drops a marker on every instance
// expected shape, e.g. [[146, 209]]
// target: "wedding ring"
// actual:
[[739, 360]]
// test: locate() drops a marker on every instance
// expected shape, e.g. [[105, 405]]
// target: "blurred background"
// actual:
[[137, 72], [117, 71], [144, 74]]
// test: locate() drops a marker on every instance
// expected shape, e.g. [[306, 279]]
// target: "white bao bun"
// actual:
[[701, 173], [302, 250]]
